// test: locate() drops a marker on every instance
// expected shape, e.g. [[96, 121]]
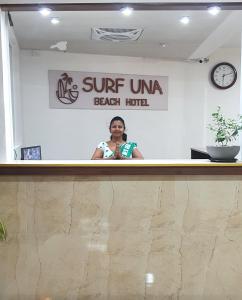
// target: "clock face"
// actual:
[[223, 75]]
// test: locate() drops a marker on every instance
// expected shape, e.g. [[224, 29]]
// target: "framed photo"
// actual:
[[31, 153]]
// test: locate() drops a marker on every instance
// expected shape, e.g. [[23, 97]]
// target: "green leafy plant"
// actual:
[[3, 232], [226, 130]]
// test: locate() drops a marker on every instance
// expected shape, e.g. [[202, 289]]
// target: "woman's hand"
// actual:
[[117, 153], [98, 154]]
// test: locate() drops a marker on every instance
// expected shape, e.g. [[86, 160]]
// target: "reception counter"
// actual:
[[121, 167], [121, 230]]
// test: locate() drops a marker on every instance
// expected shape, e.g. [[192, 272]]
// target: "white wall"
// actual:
[[6, 124], [74, 134], [10, 109], [16, 94], [194, 106], [2, 117]]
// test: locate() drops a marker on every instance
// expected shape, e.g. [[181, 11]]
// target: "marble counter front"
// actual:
[[121, 237]]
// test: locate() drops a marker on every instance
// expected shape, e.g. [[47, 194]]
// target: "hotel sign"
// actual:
[[86, 90]]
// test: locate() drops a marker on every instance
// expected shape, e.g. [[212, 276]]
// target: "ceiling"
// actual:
[[199, 39]]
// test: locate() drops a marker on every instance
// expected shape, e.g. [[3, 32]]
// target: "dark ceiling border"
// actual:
[[117, 6]]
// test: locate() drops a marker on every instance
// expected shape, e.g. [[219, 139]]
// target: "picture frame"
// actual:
[[31, 153]]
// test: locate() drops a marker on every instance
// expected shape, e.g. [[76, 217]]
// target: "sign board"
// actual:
[[86, 90]]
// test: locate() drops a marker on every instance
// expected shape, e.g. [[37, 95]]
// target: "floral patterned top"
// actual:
[[126, 149]]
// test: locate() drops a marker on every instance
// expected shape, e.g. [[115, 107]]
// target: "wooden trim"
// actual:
[[124, 170], [118, 6]]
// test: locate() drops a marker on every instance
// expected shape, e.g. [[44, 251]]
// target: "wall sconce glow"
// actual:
[[185, 20], [149, 279], [62, 46], [163, 45], [45, 11], [55, 21], [127, 11], [214, 10]]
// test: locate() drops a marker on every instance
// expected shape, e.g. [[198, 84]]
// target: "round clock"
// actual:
[[223, 75]]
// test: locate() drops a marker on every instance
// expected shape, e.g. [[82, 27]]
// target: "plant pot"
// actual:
[[223, 152]]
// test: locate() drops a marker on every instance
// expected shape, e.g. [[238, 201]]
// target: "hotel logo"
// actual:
[[66, 92]]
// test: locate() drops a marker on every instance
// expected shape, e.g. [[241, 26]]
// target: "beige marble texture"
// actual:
[[121, 238]]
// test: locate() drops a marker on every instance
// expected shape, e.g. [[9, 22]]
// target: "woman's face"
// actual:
[[117, 129]]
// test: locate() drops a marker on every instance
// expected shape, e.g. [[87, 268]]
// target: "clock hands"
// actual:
[[227, 74], [224, 76]]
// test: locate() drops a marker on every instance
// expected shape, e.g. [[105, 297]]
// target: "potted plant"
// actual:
[[3, 232], [226, 131]]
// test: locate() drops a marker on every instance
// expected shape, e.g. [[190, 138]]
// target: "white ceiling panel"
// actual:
[[159, 27]]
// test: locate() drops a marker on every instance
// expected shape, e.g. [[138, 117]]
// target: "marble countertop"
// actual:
[[120, 167], [119, 163]]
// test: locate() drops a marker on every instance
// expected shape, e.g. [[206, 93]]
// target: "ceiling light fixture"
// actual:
[[214, 10], [62, 46], [163, 45], [45, 11], [55, 21], [127, 11], [185, 20]]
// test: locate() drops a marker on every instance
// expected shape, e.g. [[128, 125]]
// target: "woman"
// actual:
[[117, 147]]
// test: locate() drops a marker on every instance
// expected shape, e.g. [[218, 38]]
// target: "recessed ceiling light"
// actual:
[[214, 10], [185, 20], [45, 11], [163, 45], [126, 11], [55, 21]]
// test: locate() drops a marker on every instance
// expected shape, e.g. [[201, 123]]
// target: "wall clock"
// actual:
[[223, 75]]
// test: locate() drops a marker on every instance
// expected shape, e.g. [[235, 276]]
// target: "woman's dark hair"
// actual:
[[121, 120]]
